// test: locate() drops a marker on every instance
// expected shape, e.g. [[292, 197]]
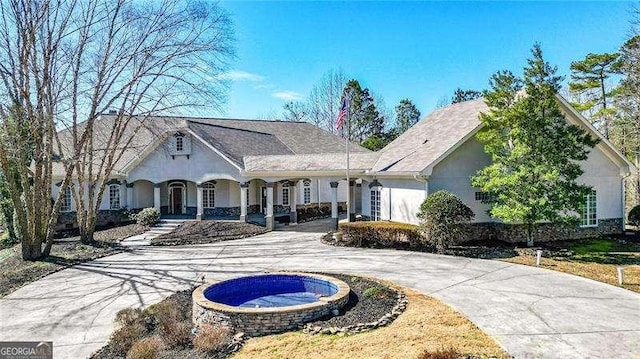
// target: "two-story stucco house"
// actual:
[[219, 168]]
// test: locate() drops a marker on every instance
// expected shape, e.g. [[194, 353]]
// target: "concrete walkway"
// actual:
[[532, 312]]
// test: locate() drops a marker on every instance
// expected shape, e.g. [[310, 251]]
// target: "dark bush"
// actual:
[[634, 216], [444, 216], [382, 234]]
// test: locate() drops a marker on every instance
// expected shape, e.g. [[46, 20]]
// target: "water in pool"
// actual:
[[281, 300]]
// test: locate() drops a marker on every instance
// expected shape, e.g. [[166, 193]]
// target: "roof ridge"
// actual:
[[231, 128]]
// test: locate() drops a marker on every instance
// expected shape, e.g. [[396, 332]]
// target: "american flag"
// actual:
[[342, 113]]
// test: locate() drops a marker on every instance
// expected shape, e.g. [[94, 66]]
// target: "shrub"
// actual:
[[384, 234], [176, 334], [377, 292], [212, 338], [124, 338], [148, 217], [441, 354], [634, 216], [147, 348], [6, 241], [443, 214]]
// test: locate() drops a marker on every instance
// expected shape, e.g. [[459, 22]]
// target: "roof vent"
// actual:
[[113, 112], [425, 141]]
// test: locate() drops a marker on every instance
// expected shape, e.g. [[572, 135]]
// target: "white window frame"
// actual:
[[179, 143], [375, 204], [285, 194], [114, 196], [589, 211], [67, 203], [208, 195], [306, 191]]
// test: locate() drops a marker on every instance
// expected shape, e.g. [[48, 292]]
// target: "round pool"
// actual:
[[268, 303]]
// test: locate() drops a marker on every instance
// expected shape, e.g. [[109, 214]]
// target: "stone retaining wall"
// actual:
[[67, 220], [516, 233], [263, 321]]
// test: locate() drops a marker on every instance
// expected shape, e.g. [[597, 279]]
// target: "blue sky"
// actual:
[[417, 50]]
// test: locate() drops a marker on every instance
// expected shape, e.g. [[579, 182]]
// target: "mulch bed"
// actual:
[[65, 252], [203, 232], [369, 301]]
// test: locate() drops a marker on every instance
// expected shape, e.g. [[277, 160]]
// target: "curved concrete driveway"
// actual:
[[533, 313]]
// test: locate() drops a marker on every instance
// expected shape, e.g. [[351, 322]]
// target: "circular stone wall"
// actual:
[[331, 294]]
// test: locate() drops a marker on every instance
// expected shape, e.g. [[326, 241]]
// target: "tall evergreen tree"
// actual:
[[626, 125], [407, 115], [589, 79], [535, 151], [461, 95], [365, 119]]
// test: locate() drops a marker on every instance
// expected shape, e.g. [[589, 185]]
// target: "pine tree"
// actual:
[[407, 115], [589, 82], [461, 95], [535, 151], [365, 120], [626, 125]]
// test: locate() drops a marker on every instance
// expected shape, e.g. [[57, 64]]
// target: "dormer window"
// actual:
[[180, 145]]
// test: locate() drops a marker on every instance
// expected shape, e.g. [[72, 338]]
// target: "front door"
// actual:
[[176, 200], [264, 200]]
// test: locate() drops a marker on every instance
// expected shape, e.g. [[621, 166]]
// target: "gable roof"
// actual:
[[431, 139], [233, 138]]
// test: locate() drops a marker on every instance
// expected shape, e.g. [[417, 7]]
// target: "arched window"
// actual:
[[114, 196], [306, 191], [208, 195]]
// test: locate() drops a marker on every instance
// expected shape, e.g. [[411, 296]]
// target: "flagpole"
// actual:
[[349, 95]]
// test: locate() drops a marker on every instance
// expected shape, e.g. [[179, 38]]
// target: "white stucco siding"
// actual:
[[202, 165], [400, 200], [454, 172], [233, 191], [142, 194], [604, 176]]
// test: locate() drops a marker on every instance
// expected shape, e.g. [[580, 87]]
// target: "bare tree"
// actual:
[[66, 63], [324, 103], [295, 111]]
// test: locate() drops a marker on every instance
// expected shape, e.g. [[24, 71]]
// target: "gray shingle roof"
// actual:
[[430, 138], [235, 138], [310, 162]]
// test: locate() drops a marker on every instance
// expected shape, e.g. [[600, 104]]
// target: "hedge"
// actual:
[[634, 216], [382, 234]]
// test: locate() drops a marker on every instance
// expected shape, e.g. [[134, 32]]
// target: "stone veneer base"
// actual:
[[263, 321]]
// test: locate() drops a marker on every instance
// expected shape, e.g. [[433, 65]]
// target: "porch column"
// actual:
[[293, 203], [199, 204], [334, 204], [156, 196], [244, 190], [268, 219], [129, 195], [352, 201]]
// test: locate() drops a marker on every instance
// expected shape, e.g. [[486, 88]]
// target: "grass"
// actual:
[[595, 259], [15, 272], [428, 325]]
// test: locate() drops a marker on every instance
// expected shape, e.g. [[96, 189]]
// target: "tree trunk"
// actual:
[[529, 234], [31, 250]]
